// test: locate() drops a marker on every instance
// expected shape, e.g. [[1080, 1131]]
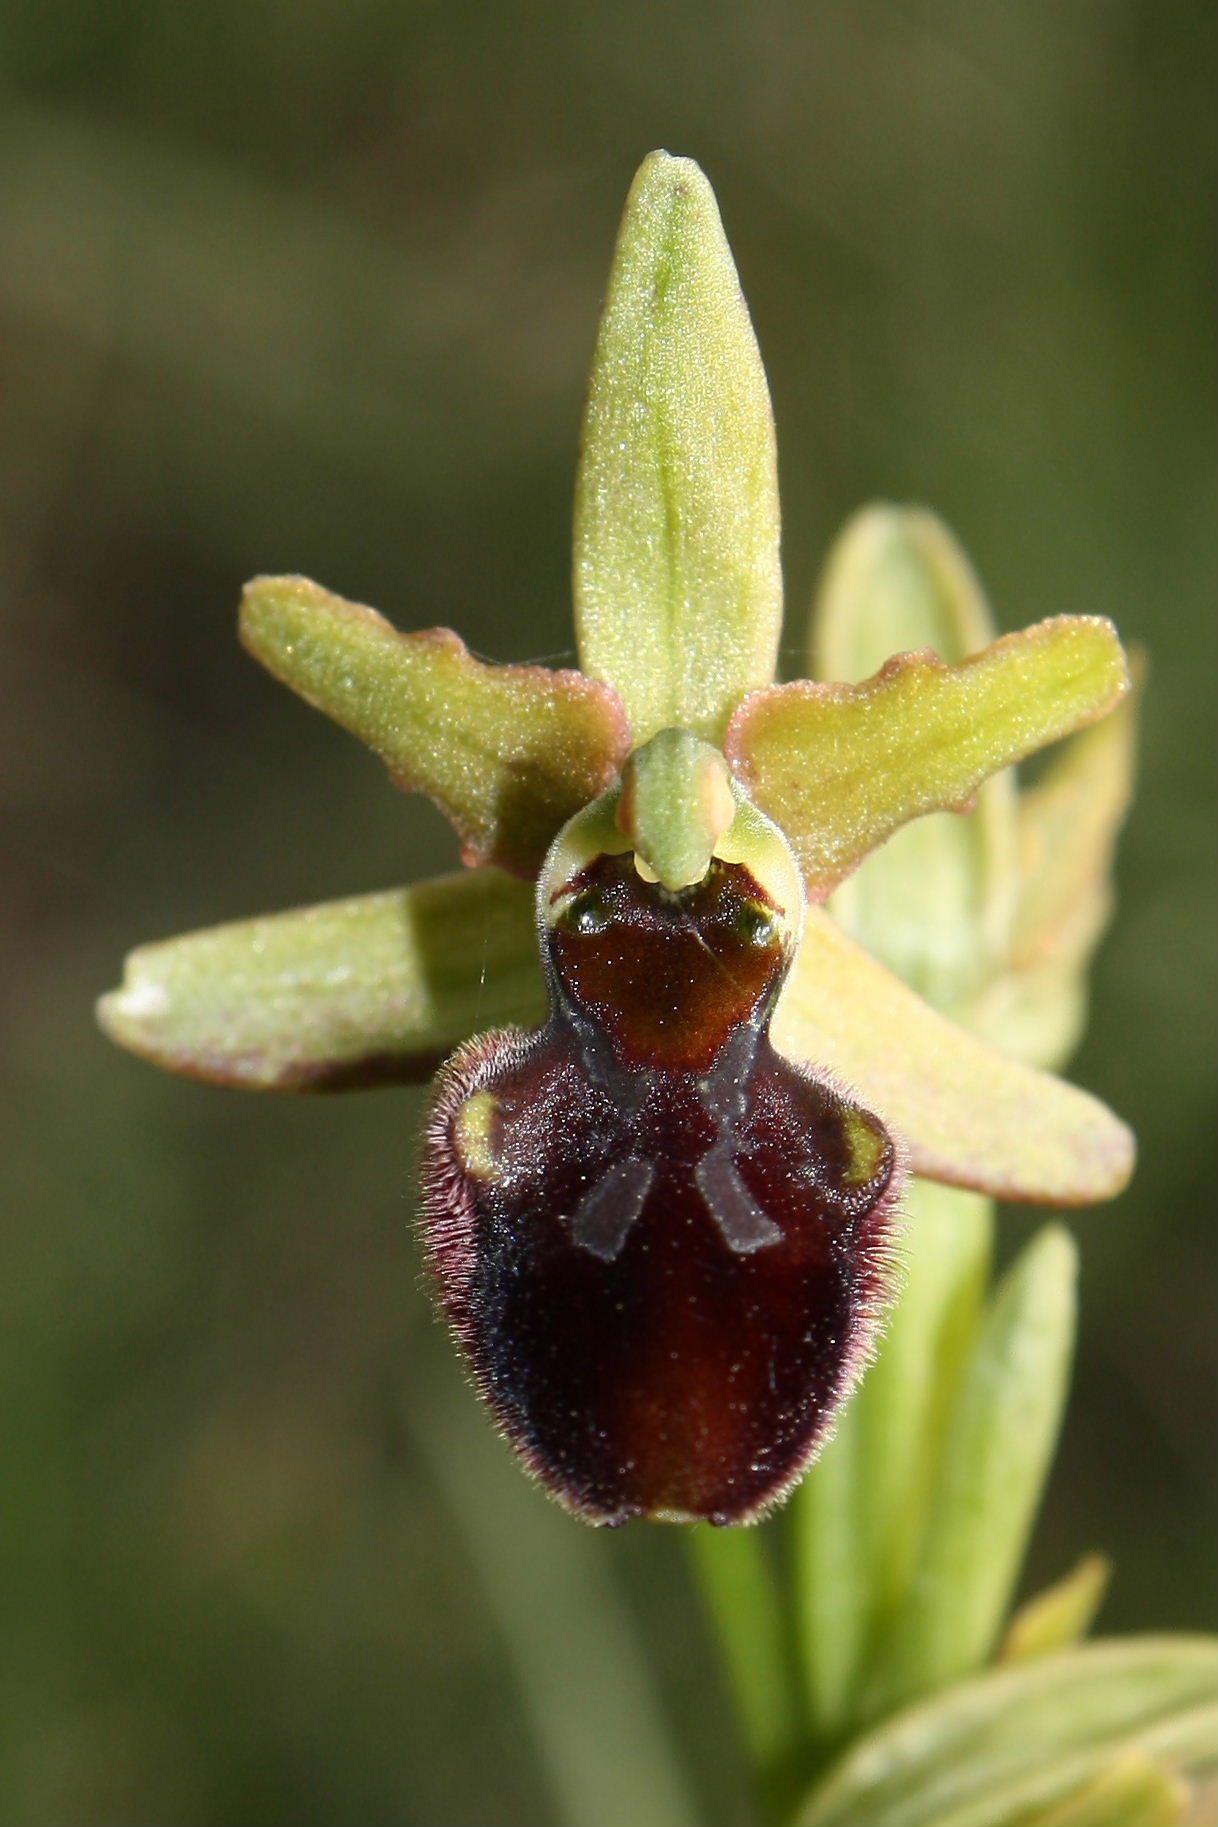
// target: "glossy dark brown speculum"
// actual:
[[661, 1245]]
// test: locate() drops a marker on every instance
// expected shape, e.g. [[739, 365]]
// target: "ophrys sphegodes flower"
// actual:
[[603, 1198]]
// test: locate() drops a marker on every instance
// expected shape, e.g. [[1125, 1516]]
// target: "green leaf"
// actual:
[[678, 589], [1059, 1615], [858, 1518], [1134, 1791], [377, 989], [970, 1116], [841, 767], [508, 753], [910, 1392], [995, 1461], [935, 901], [992, 1750]]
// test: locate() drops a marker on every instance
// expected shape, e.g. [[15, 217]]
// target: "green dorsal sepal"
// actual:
[[678, 586]]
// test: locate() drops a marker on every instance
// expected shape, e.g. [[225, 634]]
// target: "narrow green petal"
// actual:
[[367, 991], [678, 589], [970, 1116], [508, 753], [841, 767], [995, 1463], [1059, 1615], [1043, 1728]]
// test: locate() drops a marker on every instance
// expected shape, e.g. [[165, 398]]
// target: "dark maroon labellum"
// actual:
[[660, 1244]]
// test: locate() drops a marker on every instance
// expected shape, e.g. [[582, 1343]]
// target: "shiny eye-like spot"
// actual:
[[756, 923], [587, 912]]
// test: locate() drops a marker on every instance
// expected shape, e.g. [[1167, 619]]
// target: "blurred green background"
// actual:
[[313, 287]]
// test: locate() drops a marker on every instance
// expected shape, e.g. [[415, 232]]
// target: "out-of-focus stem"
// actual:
[[582, 1673], [740, 1586]]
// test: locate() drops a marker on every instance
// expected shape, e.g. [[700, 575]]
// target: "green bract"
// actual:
[[995, 1459]]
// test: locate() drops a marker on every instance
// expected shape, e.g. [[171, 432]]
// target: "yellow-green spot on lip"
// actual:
[[866, 1143], [474, 1131]]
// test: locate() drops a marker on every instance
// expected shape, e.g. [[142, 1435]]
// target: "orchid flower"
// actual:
[[773, 974]]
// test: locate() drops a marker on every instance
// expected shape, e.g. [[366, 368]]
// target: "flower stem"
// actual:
[[581, 1671], [741, 1588]]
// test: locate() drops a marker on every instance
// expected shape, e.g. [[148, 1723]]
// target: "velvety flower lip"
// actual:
[[662, 1246]]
